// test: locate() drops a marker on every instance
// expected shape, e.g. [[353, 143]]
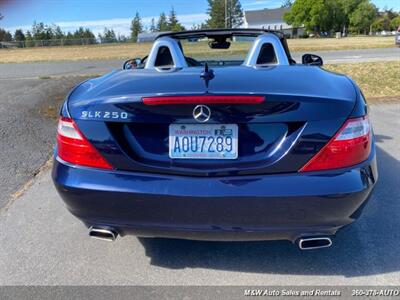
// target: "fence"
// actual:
[[94, 41], [60, 42]]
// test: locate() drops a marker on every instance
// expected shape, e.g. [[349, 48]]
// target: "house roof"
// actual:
[[265, 16]]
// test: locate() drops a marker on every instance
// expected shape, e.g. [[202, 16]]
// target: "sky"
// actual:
[[117, 14]]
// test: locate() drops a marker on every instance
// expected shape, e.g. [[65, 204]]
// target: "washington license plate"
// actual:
[[203, 141]]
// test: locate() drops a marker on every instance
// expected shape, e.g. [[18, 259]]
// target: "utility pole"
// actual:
[[226, 13]]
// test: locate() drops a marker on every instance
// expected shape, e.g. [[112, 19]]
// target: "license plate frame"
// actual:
[[212, 133]]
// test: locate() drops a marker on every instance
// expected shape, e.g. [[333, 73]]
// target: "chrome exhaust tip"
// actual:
[[102, 234], [314, 243]]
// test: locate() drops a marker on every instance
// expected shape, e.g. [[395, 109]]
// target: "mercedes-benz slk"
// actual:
[[217, 135]]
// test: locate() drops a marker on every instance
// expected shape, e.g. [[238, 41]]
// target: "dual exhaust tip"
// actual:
[[303, 243]]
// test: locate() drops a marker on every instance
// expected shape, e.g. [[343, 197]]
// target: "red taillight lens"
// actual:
[[74, 148], [350, 146], [203, 99]]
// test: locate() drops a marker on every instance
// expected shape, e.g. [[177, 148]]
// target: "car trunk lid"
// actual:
[[301, 110]]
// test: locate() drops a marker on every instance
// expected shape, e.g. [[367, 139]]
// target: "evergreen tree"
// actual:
[[57, 33], [69, 39], [153, 26], [5, 36], [173, 23], [19, 35], [82, 36], [217, 10], [89, 36], [235, 14], [136, 27], [41, 31], [287, 3], [122, 38], [28, 39], [162, 24], [108, 36]]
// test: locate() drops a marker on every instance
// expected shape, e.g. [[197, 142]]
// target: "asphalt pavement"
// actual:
[[68, 68], [354, 56], [28, 110], [42, 244]]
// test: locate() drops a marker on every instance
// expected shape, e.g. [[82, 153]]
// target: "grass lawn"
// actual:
[[341, 44], [377, 80], [125, 51]]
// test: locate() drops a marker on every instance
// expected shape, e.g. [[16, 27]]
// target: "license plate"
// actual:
[[203, 141]]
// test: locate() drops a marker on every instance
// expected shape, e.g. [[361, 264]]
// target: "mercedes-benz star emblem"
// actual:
[[201, 113]]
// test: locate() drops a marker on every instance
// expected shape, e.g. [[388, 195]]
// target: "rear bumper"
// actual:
[[265, 207]]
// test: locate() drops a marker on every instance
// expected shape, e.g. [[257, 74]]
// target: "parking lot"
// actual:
[[42, 244]]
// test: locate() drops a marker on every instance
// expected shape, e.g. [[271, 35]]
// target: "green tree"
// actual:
[[217, 10], [381, 23], [196, 26], [234, 14], [41, 31], [287, 3], [348, 7], [57, 33], [162, 24], [363, 17], [28, 39], [108, 36], [316, 15], [89, 36], [5, 36], [136, 27], [395, 23], [70, 40], [122, 38], [81, 36], [338, 16], [19, 35], [153, 26], [173, 23], [390, 13]]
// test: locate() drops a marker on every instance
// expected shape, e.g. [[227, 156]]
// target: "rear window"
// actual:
[[200, 50]]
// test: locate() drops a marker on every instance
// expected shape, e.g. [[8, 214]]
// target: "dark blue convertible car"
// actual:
[[217, 135]]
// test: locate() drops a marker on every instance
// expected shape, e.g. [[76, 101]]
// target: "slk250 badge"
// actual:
[[97, 114]]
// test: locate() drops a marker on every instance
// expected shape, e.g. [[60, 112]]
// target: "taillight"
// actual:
[[74, 148], [203, 99], [350, 146]]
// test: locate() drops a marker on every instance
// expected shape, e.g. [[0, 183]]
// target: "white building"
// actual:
[[271, 19]]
